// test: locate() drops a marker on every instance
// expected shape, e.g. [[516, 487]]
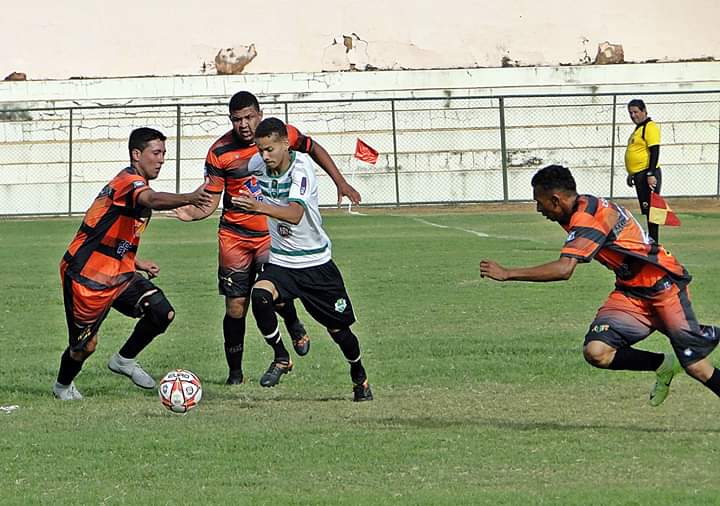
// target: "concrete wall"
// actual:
[[448, 148], [57, 40]]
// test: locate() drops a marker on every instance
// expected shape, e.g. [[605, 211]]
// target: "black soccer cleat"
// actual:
[[235, 378], [277, 368], [300, 339], [362, 392]]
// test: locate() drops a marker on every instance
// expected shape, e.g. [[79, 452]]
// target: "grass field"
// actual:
[[482, 394]]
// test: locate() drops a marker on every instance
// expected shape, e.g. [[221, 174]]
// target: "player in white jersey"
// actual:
[[300, 264]]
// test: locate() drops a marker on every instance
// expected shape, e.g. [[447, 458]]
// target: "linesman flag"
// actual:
[[660, 212], [365, 153]]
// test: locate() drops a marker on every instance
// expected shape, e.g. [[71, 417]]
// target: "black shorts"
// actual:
[[320, 289], [642, 189], [86, 309]]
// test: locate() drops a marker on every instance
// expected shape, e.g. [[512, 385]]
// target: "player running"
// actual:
[[651, 286]]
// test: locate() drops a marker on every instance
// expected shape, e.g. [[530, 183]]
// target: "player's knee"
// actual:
[[261, 298], [236, 307], [341, 335], [158, 310], [598, 354], [701, 370]]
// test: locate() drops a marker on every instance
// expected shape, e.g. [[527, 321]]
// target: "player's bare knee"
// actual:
[[598, 354], [236, 307], [701, 370]]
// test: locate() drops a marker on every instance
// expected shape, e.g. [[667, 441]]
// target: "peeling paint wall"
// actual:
[[50, 39]]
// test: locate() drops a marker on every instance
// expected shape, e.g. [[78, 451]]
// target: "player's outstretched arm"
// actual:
[[559, 270], [163, 201], [326, 163], [292, 213], [194, 213]]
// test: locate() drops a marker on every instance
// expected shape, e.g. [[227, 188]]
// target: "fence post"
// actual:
[[287, 114], [394, 134], [503, 149], [717, 192], [612, 148], [178, 133], [70, 161]]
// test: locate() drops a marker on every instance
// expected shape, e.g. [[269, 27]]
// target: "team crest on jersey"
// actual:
[[284, 230], [340, 305], [303, 186]]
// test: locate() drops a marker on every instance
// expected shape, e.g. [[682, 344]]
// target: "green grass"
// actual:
[[482, 394]]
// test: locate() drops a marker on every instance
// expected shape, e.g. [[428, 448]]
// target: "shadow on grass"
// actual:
[[428, 422]]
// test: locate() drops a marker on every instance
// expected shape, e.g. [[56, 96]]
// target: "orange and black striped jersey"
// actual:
[[609, 233], [226, 166], [102, 254]]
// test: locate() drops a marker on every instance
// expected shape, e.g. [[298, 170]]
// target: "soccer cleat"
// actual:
[[362, 392], [665, 374], [130, 368], [66, 392], [235, 378], [277, 368], [300, 339]]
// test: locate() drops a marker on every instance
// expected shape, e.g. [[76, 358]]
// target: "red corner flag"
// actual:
[[365, 153], [660, 212]]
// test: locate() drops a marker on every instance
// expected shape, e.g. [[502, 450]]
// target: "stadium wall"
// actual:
[[446, 147]]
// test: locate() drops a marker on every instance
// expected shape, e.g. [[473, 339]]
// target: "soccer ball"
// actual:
[[180, 391]]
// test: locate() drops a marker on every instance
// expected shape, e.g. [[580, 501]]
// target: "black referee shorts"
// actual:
[[320, 289], [643, 189]]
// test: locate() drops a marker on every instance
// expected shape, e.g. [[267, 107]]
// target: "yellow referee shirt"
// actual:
[[637, 154]]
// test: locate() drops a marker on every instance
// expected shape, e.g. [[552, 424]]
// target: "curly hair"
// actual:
[[554, 177]]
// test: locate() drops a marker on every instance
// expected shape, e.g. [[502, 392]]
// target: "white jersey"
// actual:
[[305, 244]]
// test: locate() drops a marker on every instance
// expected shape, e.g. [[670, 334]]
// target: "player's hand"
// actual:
[[345, 190], [151, 268], [492, 270], [652, 182], [200, 197], [246, 201], [630, 180], [183, 213]]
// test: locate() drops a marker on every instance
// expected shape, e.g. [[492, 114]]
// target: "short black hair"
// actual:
[[270, 126], [243, 99], [140, 137], [554, 177], [636, 102]]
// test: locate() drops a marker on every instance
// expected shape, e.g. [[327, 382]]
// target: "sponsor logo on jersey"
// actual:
[[105, 192], [123, 248], [597, 329], [570, 237], [303, 186], [138, 184], [254, 188]]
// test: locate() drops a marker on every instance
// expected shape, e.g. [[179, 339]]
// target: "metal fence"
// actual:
[[432, 150]]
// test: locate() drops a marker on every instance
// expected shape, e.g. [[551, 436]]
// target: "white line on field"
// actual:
[[474, 232]]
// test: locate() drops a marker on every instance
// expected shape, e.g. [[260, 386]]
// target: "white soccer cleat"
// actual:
[[130, 368], [66, 392]]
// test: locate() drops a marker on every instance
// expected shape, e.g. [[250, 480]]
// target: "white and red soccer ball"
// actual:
[[180, 391]]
